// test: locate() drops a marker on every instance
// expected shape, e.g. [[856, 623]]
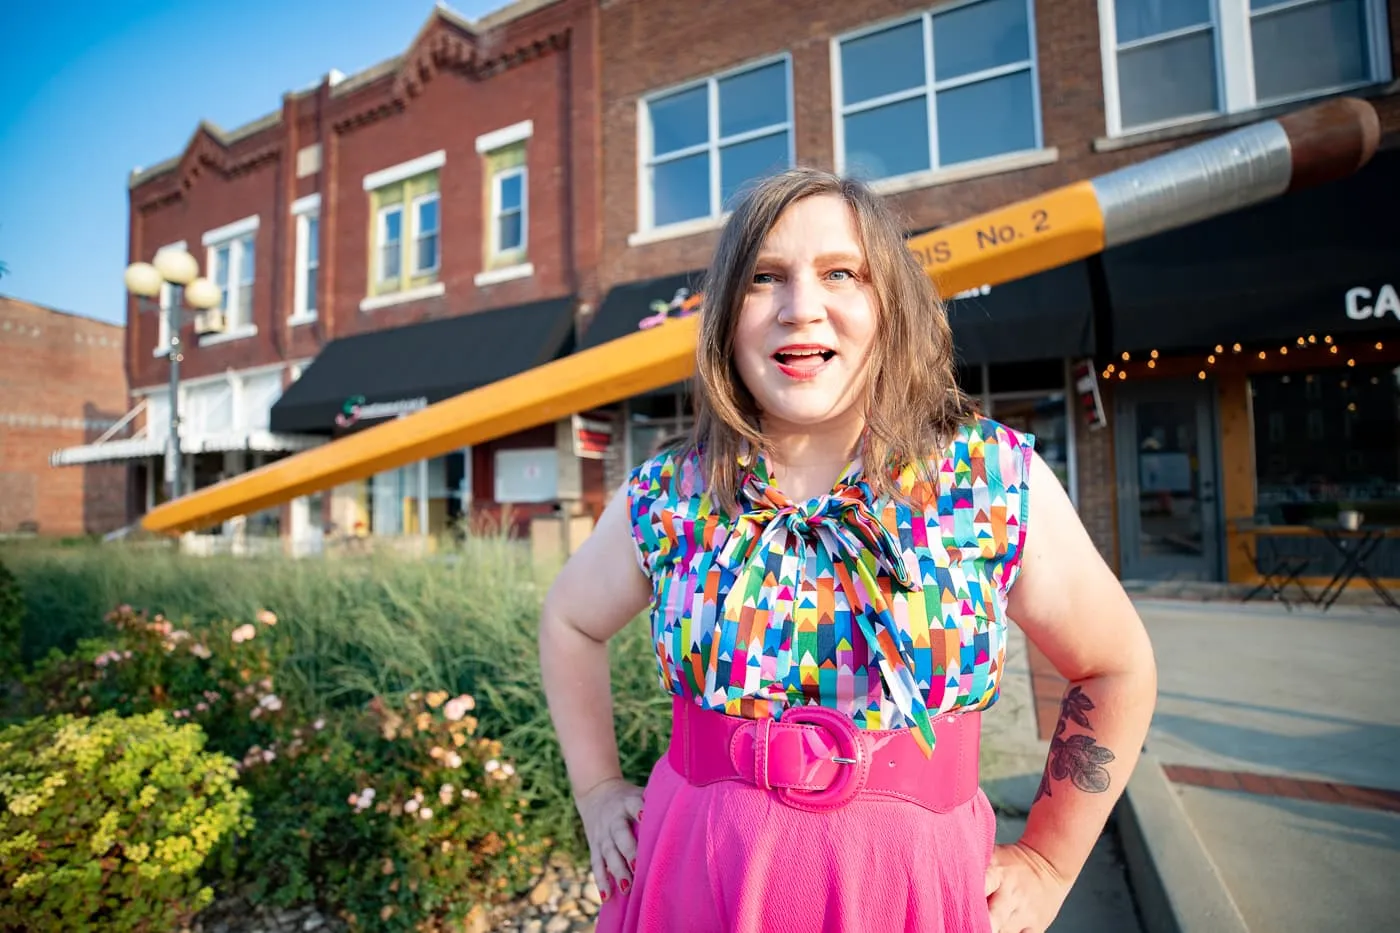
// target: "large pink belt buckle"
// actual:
[[845, 748]]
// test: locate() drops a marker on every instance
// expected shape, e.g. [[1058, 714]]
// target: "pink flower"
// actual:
[[453, 760], [426, 813], [411, 806], [266, 617], [201, 706], [270, 702], [318, 725], [269, 755], [243, 633], [200, 651], [457, 707], [445, 794]]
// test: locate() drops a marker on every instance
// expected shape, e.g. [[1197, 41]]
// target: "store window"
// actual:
[[1326, 441], [1031, 397], [654, 421]]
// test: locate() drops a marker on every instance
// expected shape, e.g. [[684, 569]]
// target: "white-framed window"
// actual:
[[390, 244], [953, 85], [307, 212], [425, 234], [508, 215], [703, 142], [1172, 63], [232, 268]]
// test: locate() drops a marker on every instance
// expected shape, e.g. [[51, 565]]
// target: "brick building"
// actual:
[[61, 383], [954, 108], [382, 241]]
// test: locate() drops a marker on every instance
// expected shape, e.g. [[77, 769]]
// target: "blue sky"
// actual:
[[90, 89]]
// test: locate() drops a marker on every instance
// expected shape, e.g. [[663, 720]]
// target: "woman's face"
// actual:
[[808, 320]]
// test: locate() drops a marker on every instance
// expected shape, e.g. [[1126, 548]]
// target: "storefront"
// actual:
[[359, 381], [1255, 384], [225, 431]]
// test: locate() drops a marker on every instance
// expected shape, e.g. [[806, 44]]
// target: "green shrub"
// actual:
[[11, 617], [394, 816], [106, 822]]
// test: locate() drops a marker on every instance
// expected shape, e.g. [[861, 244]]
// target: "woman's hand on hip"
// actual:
[[1024, 891], [609, 811]]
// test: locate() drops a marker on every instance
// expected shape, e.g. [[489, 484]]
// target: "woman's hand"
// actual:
[[608, 811], [1024, 892]]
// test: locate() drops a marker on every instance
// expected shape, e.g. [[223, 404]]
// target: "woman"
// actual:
[[831, 563]]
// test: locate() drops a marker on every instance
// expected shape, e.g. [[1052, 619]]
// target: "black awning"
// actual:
[[1048, 315], [1276, 271], [626, 306], [364, 379]]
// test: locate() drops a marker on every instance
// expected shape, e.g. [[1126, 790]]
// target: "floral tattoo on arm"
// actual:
[[1080, 757]]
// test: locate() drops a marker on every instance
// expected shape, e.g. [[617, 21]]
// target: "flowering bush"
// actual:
[[106, 821], [219, 676], [398, 816]]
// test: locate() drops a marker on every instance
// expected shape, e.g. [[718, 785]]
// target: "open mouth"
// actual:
[[805, 361]]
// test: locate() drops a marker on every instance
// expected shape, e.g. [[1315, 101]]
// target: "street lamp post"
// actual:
[[145, 280]]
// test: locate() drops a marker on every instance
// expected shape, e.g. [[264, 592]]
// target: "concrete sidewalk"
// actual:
[[1281, 733]]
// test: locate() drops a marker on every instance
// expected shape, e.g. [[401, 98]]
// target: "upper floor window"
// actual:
[[704, 142], [171, 295], [953, 85], [505, 170], [1173, 62], [307, 213], [406, 217], [232, 268]]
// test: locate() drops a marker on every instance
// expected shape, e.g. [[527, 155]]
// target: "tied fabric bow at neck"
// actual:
[[782, 553]]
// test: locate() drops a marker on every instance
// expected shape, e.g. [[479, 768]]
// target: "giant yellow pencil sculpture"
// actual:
[[1226, 173]]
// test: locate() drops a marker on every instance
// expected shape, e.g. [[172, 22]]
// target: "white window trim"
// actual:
[[303, 210], [380, 226], [1234, 61], [509, 273], [241, 332], [930, 90], [405, 170], [646, 227], [415, 270], [234, 242], [389, 299], [162, 347], [505, 136], [496, 180], [230, 231]]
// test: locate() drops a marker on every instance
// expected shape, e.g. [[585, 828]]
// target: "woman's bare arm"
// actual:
[[1072, 607], [598, 592]]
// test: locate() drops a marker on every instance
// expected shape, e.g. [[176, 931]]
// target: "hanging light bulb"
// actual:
[[1380, 345], [1154, 354], [1302, 341], [1126, 356], [1351, 406], [1201, 374], [1111, 368], [1211, 359], [1151, 364], [1122, 374], [1236, 348], [1312, 338], [1282, 351], [1219, 348], [1262, 355], [1332, 349], [1351, 362], [1327, 338]]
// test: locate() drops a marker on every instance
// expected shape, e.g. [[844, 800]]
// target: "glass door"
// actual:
[[1168, 510]]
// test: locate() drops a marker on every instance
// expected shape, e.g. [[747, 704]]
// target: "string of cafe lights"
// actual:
[[1236, 351]]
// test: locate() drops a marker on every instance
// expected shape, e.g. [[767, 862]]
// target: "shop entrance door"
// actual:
[[1168, 510]]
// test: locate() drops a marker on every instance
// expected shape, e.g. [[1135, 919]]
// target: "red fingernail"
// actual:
[[632, 864], [639, 815], [603, 895], [623, 885]]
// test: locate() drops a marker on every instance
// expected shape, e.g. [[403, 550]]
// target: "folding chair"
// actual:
[[1275, 571]]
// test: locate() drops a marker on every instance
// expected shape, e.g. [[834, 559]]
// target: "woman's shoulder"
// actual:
[[980, 452], [668, 477]]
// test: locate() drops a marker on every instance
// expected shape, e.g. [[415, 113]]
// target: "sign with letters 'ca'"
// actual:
[[1364, 304]]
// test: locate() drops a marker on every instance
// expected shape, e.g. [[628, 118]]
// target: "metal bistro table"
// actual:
[[1355, 546]]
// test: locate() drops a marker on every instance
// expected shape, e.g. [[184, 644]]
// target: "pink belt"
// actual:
[[817, 759]]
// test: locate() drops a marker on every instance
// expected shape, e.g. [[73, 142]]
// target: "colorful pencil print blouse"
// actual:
[[888, 611]]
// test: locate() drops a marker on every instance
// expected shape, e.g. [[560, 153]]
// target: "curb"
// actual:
[[1178, 887]]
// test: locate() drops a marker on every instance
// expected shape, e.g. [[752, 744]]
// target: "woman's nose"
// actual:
[[801, 302]]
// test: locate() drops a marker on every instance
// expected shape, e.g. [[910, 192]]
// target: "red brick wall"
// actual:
[[61, 384]]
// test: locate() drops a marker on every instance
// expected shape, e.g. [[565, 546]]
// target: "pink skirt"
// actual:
[[732, 858]]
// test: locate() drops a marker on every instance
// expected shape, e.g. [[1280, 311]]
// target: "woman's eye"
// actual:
[[846, 275], [763, 278]]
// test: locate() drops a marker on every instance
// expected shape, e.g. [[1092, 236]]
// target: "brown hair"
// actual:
[[912, 400]]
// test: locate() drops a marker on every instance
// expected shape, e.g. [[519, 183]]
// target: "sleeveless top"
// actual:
[[890, 612]]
